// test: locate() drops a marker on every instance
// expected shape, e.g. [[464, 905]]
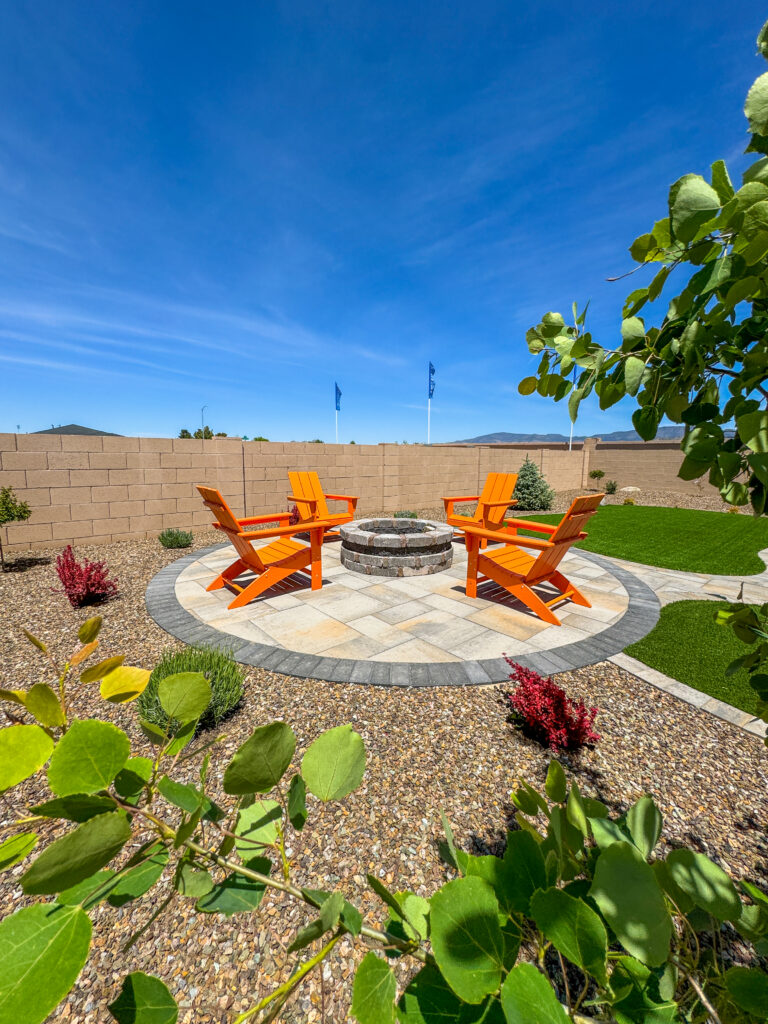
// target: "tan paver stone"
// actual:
[[441, 628], [307, 630], [451, 604], [363, 648], [509, 621], [406, 610], [415, 650], [344, 604], [490, 644]]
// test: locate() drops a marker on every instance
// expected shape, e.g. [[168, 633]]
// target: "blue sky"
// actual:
[[235, 205]]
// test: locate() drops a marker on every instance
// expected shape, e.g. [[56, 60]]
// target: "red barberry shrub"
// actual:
[[548, 713], [86, 583], [294, 516]]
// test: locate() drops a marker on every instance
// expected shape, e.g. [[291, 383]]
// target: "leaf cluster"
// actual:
[[706, 363]]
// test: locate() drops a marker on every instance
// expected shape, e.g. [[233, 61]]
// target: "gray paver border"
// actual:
[[640, 617]]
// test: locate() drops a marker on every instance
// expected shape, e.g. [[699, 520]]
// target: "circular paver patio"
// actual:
[[414, 631]]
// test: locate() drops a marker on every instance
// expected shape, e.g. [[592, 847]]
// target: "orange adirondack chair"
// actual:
[[519, 572], [312, 502], [272, 563], [492, 504]]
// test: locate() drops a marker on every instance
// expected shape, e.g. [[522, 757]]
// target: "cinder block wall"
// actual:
[[101, 489]]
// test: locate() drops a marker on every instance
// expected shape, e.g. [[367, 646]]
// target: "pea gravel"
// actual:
[[427, 749]]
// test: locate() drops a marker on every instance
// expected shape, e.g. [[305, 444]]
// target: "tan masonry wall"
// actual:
[[89, 490]]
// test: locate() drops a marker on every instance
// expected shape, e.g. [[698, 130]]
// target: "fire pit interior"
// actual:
[[396, 547]]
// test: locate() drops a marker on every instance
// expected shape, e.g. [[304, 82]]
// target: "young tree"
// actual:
[[532, 492], [184, 433], [706, 363], [11, 511]]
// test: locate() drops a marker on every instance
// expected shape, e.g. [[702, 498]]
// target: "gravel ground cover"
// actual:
[[427, 750]]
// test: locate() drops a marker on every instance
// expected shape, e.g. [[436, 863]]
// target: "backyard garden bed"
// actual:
[[427, 749]]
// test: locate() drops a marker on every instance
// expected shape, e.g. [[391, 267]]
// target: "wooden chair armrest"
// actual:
[[506, 538], [529, 524], [467, 497], [252, 520], [497, 504], [343, 497], [286, 531], [294, 498]]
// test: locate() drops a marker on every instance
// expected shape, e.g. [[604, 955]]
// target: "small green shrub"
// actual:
[[734, 510], [532, 492], [611, 486], [219, 668], [173, 538], [629, 501], [406, 515], [597, 474]]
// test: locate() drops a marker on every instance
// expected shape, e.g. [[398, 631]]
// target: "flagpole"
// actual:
[[337, 426], [429, 414]]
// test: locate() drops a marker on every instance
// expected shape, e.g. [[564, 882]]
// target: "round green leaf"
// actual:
[[42, 951], [629, 898], [96, 672], [334, 764], [184, 696], [374, 991], [236, 894], [23, 750], [76, 807], [527, 386], [573, 928], [43, 703], [257, 826], [192, 881], [748, 988], [77, 855], [260, 763], [124, 683], [692, 202], [144, 869], [89, 630], [528, 998], [466, 938], [87, 758], [634, 368], [756, 106], [144, 999], [556, 784], [644, 822], [15, 849], [707, 885]]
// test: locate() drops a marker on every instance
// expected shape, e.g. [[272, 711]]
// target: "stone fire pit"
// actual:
[[396, 547]]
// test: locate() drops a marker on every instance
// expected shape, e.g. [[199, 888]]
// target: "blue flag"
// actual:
[[338, 397], [431, 380]]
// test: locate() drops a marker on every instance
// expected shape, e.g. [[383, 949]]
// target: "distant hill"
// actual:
[[75, 428], [502, 437]]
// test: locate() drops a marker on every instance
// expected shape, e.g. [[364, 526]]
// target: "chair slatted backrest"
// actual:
[[229, 524], [497, 487], [568, 531], [306, 484]]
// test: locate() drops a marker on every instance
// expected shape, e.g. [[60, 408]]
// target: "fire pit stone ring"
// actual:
[[396, 547]]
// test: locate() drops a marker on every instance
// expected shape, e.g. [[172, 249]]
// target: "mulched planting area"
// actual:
[[427, 749]]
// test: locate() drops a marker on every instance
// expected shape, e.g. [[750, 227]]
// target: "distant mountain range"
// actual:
[[502, 437]]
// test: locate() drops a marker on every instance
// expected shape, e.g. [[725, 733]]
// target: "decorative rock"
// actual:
[[629, 490]]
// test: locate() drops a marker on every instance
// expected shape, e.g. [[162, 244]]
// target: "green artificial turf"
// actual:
[[677, 538], [689, 646]]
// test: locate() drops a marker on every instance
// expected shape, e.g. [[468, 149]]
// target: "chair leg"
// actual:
[[230, 573], [533, 601], [262, 582], [472, 560], [563, 584], [316, 542]]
